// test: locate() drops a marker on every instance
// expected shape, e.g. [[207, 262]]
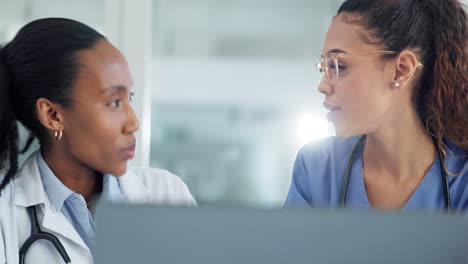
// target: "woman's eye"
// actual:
[[115, 103], [130, 97], [340, 67]]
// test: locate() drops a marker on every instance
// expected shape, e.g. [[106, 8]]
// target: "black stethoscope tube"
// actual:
[[349, 165], [37, 234]]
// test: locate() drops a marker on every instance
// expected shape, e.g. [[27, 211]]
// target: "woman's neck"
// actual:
[[72, 173], [401, 150]]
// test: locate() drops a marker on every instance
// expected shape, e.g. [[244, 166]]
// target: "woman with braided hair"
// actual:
[[72, 89]]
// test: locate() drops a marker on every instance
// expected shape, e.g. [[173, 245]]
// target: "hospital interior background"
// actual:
[[230, 89]]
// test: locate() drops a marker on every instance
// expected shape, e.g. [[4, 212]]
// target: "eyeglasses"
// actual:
[[330, 65]]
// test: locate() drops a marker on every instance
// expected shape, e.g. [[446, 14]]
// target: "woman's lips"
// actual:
[[129, 152]]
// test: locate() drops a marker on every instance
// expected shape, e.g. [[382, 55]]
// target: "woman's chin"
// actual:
[[343, 132], [119, 171]]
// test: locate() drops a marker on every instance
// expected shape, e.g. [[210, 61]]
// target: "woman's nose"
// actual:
[[132, 124], [324, 87]]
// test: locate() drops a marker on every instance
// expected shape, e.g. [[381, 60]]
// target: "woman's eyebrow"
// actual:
[[335, 51], [117, 88]]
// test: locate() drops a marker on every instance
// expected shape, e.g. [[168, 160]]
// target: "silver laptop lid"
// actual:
[[156, 234]]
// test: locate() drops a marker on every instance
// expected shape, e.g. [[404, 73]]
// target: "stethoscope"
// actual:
[[37, 234], [344, 186]]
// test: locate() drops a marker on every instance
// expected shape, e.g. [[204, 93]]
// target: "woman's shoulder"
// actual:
[[160, 184], [155, 175], [328, 148], [6, 200], [325, 159], [318, 170], [6, 194]]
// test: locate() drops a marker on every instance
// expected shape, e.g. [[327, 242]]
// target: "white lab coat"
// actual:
[[141, 185]]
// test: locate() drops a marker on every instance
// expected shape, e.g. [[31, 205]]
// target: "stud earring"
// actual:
[[397, 84]]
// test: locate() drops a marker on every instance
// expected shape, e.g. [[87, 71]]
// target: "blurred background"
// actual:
[[226, 90]]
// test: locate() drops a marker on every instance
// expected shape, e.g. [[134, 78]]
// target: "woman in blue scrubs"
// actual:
[[395, 83]]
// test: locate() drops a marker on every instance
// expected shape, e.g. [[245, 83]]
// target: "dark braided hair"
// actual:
[[40, 62]]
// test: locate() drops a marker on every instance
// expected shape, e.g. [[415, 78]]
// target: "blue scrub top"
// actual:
[[319, 169]]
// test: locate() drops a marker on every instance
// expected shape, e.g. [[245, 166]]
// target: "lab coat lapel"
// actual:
[[56, 223], [29, 191], [28, 184]]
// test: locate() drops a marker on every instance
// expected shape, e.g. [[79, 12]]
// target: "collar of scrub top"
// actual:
[[443, 172]]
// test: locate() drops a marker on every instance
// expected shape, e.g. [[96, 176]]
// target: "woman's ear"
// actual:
[[49, 114], [406, 65]]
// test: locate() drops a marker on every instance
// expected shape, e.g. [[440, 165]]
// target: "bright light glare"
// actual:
[[311, 128]]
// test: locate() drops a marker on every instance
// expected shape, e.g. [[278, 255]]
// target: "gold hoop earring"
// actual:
[[58, 134]]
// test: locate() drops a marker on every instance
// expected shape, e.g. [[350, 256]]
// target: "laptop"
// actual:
[[174, 235]]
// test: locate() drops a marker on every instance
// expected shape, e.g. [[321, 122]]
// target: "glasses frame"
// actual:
[[322, 67]]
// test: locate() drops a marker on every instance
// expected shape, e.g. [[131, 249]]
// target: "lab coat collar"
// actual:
[[29, 191]]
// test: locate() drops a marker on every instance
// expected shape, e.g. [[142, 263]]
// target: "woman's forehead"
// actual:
[[345, 36], [102, 67]]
